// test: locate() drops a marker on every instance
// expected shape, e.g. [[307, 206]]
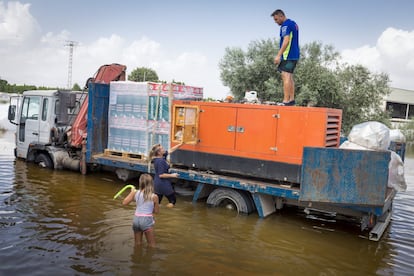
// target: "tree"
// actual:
[[253, 70], [315, 80], [76, 87], [320, 80], [363, 93], [143, 74], [408, 130], [3, 85]]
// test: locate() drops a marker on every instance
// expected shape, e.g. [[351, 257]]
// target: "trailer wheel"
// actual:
[[231, 198], [44, 161]]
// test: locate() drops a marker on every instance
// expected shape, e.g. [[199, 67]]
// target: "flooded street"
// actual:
[[64, 223]]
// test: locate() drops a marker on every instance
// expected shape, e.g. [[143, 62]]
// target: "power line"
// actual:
[[71, 44]]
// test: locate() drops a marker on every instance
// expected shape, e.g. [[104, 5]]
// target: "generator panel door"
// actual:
[[185, 124], [292, 127], [256, 130], [217, 127]]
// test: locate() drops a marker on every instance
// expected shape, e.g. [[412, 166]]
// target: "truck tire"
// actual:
[[43, 160], [240, 200]]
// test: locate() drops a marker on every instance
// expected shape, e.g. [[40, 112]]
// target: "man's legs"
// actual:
[[288, 87]]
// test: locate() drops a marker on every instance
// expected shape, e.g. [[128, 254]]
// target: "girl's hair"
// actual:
[[146, 185], [154, 151]]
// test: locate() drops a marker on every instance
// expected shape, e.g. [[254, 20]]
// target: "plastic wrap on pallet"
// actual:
[[397, 136], [162, 102], [350, 145], [127, 117], [180, 92], [139, 114], [159, 133]]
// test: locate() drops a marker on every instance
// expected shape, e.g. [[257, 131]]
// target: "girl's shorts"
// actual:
[[142, 223]]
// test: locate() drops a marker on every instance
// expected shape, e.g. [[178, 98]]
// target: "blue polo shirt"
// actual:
[[291, 29]]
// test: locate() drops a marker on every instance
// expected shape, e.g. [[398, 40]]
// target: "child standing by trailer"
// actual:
[[147, 205]]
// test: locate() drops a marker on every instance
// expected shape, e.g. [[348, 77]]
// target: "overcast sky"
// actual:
[[184, 40]]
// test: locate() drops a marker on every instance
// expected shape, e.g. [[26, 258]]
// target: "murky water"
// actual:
[[63, 223]]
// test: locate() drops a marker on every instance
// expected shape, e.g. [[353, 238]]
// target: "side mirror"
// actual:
[[12, 113]]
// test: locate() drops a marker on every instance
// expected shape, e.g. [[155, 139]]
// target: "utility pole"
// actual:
[[71, 44]]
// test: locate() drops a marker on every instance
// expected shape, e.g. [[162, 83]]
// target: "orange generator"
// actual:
[[261, 141]]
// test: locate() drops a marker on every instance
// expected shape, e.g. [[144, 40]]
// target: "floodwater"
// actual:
[[64, 223]]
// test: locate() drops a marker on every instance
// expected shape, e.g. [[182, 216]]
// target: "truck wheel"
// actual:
[[231, 198], [44, 161]]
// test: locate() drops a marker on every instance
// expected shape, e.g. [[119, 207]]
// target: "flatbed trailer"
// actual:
[[333, 181], [269, 197]]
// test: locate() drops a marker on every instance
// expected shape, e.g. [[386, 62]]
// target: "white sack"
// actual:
[[396, 179], [397, 136], [372, 135], [350, 145], [376, 136]]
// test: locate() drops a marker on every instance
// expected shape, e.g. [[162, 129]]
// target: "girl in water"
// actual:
[[147, 205]]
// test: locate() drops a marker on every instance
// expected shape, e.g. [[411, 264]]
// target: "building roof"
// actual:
[[403, 96]]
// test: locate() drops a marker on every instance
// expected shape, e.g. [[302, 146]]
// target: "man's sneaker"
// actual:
[[291, 103]]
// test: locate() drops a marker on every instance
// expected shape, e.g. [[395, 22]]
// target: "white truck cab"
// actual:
[[43, 119]]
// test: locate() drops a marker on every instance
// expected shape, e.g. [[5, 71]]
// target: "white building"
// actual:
[[401, 105]]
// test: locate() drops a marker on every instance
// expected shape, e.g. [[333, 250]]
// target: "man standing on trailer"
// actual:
[[288, 54]]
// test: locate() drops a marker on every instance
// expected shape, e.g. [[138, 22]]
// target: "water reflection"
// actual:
[[60, 222]]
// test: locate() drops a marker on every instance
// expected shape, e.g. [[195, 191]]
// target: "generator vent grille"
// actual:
[[333, 130]]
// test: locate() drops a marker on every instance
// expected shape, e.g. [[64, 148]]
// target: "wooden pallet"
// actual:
[[125, 155]]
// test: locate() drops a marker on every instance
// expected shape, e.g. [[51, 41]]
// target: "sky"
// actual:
[[185, 40]]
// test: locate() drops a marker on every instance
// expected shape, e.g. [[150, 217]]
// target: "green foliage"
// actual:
[[209, 99], [143, 74], [76, 87], [147, 74], [13, 88], [3, 85], [316, 84], [408, 130], [319, 80], [253, 70], [178, 82], [363, 93]]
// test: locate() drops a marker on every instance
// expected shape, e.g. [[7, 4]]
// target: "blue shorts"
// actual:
[[142, 224]]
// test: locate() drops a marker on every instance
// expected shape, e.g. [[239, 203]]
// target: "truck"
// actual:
[[51, 124], [247, 157]]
